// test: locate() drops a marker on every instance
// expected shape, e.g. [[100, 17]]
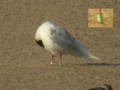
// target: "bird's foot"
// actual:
[[60, 63], [51, 62]]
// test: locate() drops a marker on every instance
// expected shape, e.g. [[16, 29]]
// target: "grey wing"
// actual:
[[81, 45], [62, 37]]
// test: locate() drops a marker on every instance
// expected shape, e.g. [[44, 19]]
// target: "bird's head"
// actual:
[[40, 43]]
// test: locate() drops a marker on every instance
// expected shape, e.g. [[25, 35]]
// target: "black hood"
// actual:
[[40, 43]]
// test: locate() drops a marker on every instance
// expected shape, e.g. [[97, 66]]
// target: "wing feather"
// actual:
[[60, 36]]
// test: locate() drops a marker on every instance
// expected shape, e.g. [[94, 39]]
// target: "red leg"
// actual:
[[60, 56], [52, 57]]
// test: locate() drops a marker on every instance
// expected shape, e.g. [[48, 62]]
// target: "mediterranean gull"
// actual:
[[57, 40], [104, 87]]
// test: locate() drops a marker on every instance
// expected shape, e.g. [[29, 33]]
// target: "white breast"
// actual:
[[44, 33]]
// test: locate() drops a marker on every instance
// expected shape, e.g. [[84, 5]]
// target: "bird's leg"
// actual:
[[60, 58], [52, 57]]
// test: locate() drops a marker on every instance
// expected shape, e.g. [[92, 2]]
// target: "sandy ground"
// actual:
[[25, 66]]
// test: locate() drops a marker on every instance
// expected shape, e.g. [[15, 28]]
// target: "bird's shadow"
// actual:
[[100, 64]]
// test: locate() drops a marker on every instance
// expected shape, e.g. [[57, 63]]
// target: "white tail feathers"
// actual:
[[94, 57]]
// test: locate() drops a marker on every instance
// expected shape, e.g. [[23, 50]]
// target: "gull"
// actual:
[[58, 41], [104, 87]]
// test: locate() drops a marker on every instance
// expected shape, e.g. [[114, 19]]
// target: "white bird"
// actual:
[[57, 40]]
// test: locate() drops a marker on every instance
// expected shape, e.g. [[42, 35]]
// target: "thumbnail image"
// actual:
[[101, 17]]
